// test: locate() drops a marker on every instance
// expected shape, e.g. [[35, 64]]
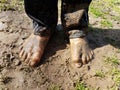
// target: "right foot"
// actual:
[[80, 52], [32, 49]]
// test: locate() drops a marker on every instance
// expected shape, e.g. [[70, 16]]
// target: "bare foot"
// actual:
[[32, 49], [80, 51]]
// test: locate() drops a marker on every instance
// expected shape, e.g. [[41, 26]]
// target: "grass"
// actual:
[[107, 10], [112, 60], [100, 74], [54, 87], [96, 12], [106, 23], [13, 5], [81, 86], [116, 73], [101, 8]]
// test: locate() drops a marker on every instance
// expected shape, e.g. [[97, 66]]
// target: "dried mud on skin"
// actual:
[[55, 69]]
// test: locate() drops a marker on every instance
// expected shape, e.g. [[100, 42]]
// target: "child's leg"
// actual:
[[75, 21], [44, 16]]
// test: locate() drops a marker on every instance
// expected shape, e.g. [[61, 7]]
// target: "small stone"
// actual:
[[17, 62], [2, 26], [11, 30], [24, 36]]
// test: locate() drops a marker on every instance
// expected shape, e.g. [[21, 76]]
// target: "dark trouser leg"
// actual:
[[75, 21], [44, 14], [75, 17]]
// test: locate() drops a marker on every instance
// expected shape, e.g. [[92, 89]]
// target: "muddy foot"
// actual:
[[80, 52], [32, 49]]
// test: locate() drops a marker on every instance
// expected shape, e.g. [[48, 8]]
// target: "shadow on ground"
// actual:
[[100, 37], [97, 37]]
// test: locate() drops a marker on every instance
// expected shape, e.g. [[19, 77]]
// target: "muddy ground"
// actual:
[[55, 72]]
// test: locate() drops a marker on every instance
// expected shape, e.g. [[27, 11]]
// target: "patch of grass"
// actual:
[[116, 76], [54, 87], [11, 5], [96, 12], [112, 60], [116, 18], [114, 4], [100, 74], [106, 23], [81, 86], [106, 9]]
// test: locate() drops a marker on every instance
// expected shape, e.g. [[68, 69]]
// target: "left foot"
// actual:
[[80, 51], [33, 48]]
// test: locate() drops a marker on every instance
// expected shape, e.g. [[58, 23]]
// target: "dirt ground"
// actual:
[[55, 70]]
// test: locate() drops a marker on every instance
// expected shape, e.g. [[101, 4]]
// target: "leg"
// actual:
[[44, 16], [75, 21]]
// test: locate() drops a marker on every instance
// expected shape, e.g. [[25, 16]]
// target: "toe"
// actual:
[[92, 53], [34, 60], [21, 53], [32, 63], [28, 58], [88, 58], [77, 65], [24, 56], [84, 59]]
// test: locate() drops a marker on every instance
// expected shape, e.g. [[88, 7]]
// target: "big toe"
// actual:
[[33, 63], [76, 63], [34, 60]]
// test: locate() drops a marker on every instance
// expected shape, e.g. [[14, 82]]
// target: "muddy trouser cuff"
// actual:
[[76, 34], [42, 30], [44, 14], [75, 20]]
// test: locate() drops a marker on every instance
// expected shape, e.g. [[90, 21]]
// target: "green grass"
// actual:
[[96, 12], [107, 10], [112, 60], [81, 86], [115, 72], [116, 18], [96, 9], [54, 87], [6, 5], [100, 74], [106, 23]]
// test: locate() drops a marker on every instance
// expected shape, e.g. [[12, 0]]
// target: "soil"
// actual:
[[54, 70]]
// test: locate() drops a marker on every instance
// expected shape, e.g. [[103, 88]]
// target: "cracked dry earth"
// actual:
[[55, 69]]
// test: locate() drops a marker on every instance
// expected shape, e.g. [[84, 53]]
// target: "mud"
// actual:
[[55, 69]]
